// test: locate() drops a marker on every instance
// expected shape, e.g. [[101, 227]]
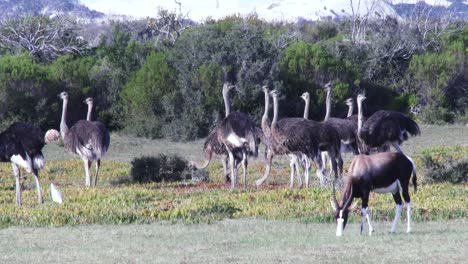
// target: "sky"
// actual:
[[197, 9], [200, 9]]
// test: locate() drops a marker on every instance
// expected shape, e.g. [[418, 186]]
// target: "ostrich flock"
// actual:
[[21, 144], [373, 169], [236, 138]]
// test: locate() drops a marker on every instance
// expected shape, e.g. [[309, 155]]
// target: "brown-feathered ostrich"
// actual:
[[300, 137], [237, 132], [384, 128], [21, 144], [275, 148], [346, 129], [89, 102], [89, 139]]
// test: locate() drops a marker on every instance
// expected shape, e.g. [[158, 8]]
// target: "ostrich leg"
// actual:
[[87, 166], [16, 172], [98, 164], [38, 186], [233, 170]]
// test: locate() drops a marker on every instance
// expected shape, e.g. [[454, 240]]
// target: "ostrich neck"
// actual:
[[227, 107], [306, 108], [350, 110], [90, 110], [327, 105], [206, 162], [265, 127], [63, 122], [359, 116], [275, 113]]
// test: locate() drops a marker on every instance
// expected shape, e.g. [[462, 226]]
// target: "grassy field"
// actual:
[[125, 148], [235, 241], [186, 222]]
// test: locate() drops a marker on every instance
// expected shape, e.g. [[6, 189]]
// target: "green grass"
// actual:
[[115, 203], [239, 241], [186, 223]]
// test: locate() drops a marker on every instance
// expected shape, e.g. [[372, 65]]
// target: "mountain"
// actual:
[[292, 10], [15, 8]]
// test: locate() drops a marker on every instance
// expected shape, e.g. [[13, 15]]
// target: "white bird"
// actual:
[[55, 193]]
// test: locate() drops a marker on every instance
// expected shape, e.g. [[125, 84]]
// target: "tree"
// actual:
[[43, 38]]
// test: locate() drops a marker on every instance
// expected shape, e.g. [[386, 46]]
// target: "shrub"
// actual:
[[445, 164], [158, 169]]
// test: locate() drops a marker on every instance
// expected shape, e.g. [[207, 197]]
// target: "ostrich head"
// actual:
[[305, 96], [328, 86], [63, 95], [349, 101], [88, 101], [227, 86], [361, 98], [274, 93], [265, 88]]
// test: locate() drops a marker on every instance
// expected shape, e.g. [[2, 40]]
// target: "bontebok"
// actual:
[[387, 172]]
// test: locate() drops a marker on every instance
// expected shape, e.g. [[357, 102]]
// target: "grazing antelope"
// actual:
[[386, 172]]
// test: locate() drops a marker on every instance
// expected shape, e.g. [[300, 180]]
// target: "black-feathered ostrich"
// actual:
[[384, 128], [21, 144], [214, 145], [89, 139], [237, 132]]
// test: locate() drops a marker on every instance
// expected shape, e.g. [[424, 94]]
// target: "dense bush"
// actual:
[[161, 168], [445, 164], [172, 89]]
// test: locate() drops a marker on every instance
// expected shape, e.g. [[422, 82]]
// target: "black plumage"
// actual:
[[21, 144], [237, 132], [384, 128], [388, 126]]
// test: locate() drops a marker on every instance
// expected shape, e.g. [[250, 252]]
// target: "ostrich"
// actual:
[[275, 148], [89, 102], [346, 130], [384, 128], [89, 139], [298, 136], [237, 132], [213, 145], [21, 144]]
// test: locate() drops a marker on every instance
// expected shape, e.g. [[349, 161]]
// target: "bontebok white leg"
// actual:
[[408, 216], [369, 221], [365, 215], [363, 219], [397, 218]]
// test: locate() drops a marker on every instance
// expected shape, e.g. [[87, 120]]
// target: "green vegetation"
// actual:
[[149, 84], [114, 202], [161, 168], [445, 164], [239, 241]]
